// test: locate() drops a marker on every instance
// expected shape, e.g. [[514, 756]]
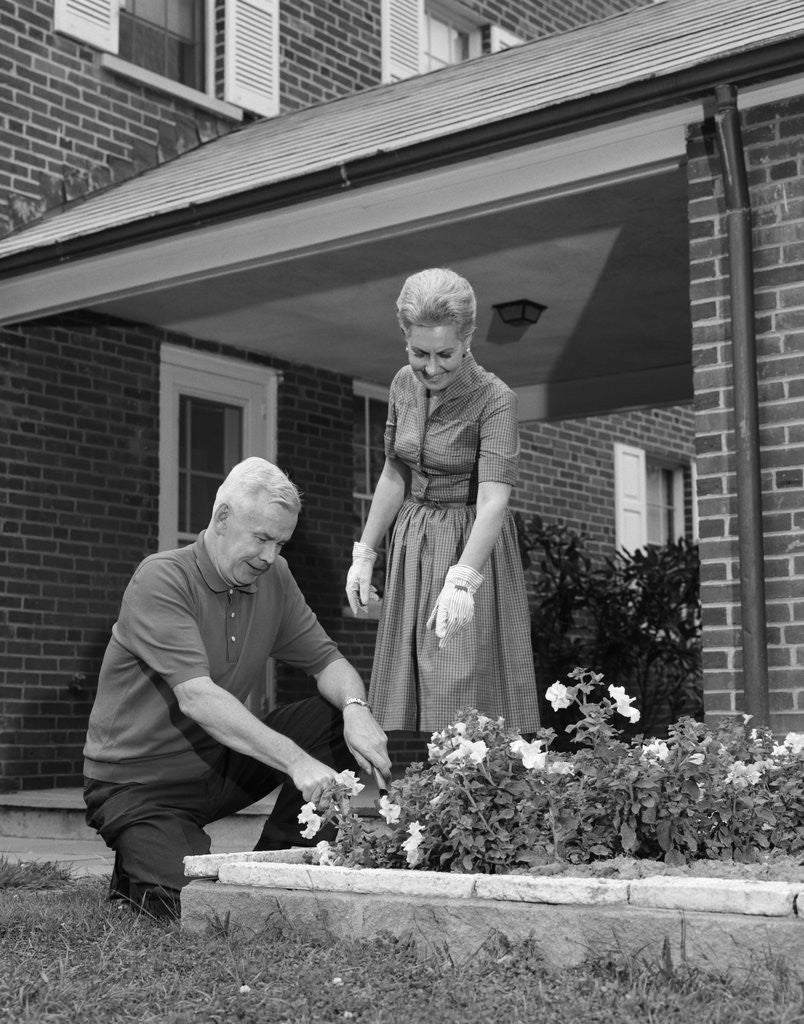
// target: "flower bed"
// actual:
[[488, 801], [497, 834]]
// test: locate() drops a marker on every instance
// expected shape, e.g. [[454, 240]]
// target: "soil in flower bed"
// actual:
[[777, 868]]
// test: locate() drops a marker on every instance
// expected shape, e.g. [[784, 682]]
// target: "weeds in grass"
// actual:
[[34, 876], [76, 957]]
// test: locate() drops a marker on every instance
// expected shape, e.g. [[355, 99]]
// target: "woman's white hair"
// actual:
[[437, 296], [254, 477]]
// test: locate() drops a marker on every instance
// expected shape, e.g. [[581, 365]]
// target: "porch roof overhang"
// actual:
[[553, 171]]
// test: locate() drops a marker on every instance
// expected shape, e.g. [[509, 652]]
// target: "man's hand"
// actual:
[[310, 777], [366, 740]]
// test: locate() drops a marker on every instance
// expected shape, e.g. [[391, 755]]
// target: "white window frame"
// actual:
[[185, 371], [631, 496], [379, 393], [502, 39], [447, 11], [247, 23]]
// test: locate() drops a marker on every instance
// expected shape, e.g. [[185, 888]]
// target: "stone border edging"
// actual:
[[287, 870]]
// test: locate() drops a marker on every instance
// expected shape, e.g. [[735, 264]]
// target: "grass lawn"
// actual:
[[67, 955]]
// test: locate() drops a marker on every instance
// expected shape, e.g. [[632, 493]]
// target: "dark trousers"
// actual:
[[153, 826]]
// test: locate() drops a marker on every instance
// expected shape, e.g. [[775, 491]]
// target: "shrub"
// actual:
[[489, 801], [637, 617]]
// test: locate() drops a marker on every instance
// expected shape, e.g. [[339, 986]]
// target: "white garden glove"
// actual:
[[455, 606], [359, 590]]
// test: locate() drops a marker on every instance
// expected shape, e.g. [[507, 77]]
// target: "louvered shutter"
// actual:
[[402, 42], [95, 22], [631, 512], [251, 56]]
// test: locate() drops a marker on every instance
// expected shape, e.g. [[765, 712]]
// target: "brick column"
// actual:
[[774, 141]]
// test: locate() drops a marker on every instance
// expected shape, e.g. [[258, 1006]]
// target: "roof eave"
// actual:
[[740, 69]]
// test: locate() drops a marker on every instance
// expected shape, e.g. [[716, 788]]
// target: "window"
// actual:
[[210, 443], [368, 451], [649, 498], [166, 37], [448, 38], [173, 46], [213, 413], [424, 35]]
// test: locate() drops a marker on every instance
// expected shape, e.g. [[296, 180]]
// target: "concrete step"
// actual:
[[58, 815]]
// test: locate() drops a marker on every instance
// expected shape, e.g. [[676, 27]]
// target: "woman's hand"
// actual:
[[455, 607], [359, 590]]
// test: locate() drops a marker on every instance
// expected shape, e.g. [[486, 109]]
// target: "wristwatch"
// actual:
[[354, 700]]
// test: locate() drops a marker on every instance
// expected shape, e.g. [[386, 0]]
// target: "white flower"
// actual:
[[483, 721], [656, 748], [388, 810], [560, 768], [559, 696], [337, 982], [531, 753], [325, 853], [245, 988], [411, 846], [696, 758], [348, 778], [795, 741], [468, 750], [459, 728], [742, 775], [747, 719], [623, 703], [781, 750], [308, 817]]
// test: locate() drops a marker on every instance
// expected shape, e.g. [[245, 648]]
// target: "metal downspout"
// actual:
[[746, 406]]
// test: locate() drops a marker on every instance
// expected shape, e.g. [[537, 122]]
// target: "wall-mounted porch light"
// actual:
[[520, 312]]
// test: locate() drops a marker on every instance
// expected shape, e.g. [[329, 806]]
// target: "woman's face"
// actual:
[[435, 353]]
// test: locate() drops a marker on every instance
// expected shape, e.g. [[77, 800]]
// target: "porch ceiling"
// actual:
[[610, 263]]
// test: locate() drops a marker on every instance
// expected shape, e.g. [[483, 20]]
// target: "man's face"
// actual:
[[248, 540]]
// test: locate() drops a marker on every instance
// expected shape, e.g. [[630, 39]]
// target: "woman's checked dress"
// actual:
[[471, 437]]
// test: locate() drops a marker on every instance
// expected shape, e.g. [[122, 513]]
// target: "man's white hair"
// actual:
[[252, 478]]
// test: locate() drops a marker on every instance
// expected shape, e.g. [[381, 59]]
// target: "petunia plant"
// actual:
[[490, 800]]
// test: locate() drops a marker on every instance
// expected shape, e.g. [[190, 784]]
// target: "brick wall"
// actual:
[[567, 467], [79, 498], [530, 20], [773, 138]]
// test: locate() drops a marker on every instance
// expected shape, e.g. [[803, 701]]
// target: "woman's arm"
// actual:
[[492, 501], [387, 501]]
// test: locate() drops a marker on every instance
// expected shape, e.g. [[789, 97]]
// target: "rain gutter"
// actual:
[[576, 115], [746, 405]]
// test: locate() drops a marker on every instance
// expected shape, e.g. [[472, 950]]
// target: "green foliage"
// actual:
[[637, 617], [490, 802]]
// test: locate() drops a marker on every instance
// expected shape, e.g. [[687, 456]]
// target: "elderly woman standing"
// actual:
[[454, 630]]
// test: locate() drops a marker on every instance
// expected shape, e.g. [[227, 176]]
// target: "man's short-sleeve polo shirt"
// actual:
[[179, 620]]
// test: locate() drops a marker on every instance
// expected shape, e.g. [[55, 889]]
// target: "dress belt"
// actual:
[[432, 503]]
